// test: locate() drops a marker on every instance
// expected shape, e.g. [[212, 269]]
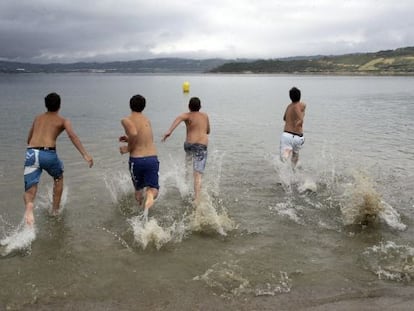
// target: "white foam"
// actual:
[[226, 279], [19, 239], [391, 216], [149, 232], [307, 185], [391, 261]]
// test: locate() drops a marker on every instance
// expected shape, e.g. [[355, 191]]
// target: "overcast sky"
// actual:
[[44, 31]]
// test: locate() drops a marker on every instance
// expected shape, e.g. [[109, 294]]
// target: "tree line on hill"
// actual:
[[389, 62]]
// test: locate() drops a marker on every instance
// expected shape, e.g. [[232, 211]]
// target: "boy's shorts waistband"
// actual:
[[42, 148], [295, 134]]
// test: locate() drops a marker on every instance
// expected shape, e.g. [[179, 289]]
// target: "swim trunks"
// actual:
[[40, 159], [144, 172], [291, 141], [198, 152]]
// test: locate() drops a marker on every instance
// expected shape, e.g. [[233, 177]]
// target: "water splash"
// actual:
[[281, 286], [292, 179], [149, 232], [287, 209], [44, 200], [178, 175], [119, 185], [226, 279], [391, 216], [18, 240], [207, 219], [390, 261], [364, 205]]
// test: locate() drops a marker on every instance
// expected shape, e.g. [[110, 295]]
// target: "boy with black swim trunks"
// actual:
[[143, 161]]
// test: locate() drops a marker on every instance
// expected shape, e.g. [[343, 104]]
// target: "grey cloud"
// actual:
[[92, 30]]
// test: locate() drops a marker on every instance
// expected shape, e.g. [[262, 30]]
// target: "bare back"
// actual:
[[294, 115], [140, 138], [45, 130], [198, 127]]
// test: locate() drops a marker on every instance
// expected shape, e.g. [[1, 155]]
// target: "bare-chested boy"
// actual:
[[292, 139], [143, 160], [41, 154], [195, 145]]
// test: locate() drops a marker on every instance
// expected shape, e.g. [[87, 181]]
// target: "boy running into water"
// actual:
[[143, 160], [195, 145], [41, 154], [292, 140]]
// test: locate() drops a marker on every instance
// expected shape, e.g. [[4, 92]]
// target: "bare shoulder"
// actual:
[[185, 116], [65, 122]]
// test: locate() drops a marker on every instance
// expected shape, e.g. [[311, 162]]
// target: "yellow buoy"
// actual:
[[186, 87]]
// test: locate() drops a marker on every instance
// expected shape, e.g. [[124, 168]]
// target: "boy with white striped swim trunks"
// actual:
[[198, 128], [292, 140], [41, 154]]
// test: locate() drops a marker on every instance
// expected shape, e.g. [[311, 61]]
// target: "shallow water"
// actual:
[[335, 234]]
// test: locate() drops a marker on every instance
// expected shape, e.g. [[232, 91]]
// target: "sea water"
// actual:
[[328, 234]]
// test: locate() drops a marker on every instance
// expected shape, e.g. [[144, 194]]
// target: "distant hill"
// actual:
[[390, 62], [158, 65]]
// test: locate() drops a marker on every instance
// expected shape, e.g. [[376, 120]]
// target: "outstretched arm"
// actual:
[[173, 126], [77, 143]]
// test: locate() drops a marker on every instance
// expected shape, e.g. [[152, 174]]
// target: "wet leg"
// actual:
[[197, 186], [29, 197], [151, 195], [295, 159], [57, 195], [139, 197], [285, 155]]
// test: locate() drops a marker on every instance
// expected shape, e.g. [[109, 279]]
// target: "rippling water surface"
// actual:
[[335, 234]]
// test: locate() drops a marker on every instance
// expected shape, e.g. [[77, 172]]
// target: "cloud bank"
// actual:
[[44, 31]]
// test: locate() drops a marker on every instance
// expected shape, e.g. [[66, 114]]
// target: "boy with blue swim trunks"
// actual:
[[143, 162], [292, 140], [195, 146], [41, 154]]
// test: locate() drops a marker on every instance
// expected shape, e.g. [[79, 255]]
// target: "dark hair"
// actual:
[[52, 102], [137, 103], [194, 104], [294, 94]]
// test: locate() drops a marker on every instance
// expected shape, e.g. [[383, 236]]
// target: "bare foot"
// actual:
[[28, 215], [54, 212], [145, 215]]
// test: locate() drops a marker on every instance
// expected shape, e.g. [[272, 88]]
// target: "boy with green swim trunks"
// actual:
[[143, 161], [41, 154], [198, 128]]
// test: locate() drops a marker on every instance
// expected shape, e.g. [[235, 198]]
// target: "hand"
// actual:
[[123, 149], [166, 135], [88, 159], [123, 139]]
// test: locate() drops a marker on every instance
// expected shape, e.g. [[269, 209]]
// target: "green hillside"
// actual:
[[390, 62]]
